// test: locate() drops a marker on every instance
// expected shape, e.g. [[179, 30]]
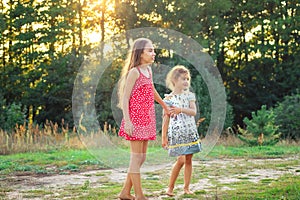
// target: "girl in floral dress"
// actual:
[[136, 99], [179, 130]]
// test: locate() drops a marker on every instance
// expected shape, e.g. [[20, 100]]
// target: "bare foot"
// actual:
[[126, 197], [187, 191], [170, 193]]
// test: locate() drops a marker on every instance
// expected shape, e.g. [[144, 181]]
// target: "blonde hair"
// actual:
[[133, 60], [174, 74]]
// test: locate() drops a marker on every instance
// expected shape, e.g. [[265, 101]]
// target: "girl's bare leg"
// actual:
[[125, 193], [174, 174], [138, 157], [188, 168]]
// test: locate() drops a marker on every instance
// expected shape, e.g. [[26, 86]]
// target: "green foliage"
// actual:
[[203, 102], [261, 129], [14, 115], [2, 109], [11, 114], [260, 80], [288, 117], [104, 95], [262, 122], [55, 91], [255, 46]]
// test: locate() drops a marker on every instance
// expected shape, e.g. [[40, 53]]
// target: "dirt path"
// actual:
[[23, 183]]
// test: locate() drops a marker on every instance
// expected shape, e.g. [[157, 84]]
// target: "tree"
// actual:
[[288, 117], [261, 127], [258, 56]]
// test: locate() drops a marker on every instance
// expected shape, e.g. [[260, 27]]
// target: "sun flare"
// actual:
[[94, 37]]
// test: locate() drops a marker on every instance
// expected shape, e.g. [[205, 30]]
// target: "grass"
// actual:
[[225, 170], [286, 187], [82, 159], [254, 152], [57, 159]]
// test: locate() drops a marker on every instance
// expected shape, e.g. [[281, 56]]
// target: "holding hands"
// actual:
[[174, 111]]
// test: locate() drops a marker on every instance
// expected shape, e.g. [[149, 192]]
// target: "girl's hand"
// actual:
[[164, 142], [174, 111], [166, 108], [128, 127]]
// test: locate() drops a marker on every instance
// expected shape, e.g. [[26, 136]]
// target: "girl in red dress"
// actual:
[[136, 99]]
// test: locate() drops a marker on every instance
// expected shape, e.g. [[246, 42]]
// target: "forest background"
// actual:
[[255, 46]]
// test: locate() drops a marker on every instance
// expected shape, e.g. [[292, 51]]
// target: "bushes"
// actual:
[[10, 115], [268, 126], [287, 115], [204, 102], [261, 129]]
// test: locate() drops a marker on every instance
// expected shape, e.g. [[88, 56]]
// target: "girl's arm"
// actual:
[[165, 125], [131, 78], [192, 110], [159, 100], [157, 97]]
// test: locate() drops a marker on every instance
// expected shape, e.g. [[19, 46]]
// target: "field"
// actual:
[[227, 172]]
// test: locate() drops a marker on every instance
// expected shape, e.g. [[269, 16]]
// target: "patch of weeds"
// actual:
[[26, 168], [287, 163], [266, 180], [237, 184], [158, 172], [3, 191], [36, 193], [90, 162], [109, 191], [253, 175], [52, 158], [103, 179], [243, 178], [213, 181], [286, 187], [184, 196], [5, 165], [102, 173], [41, 171], [110, 184], [152, 185], [274, 153], [70, 167], [63, 173], [86, 185], [200, 192], [152, 177], [88, 175], [179, 180]]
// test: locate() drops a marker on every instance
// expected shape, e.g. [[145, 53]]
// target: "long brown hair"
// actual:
[[133, 60]]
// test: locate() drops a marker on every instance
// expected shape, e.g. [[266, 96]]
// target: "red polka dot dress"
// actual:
[[141, 110]]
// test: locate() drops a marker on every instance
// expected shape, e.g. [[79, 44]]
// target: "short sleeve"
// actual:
[[168, 99], [191, 96]]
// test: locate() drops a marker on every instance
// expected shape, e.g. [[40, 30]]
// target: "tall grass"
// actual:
[[30, 138]]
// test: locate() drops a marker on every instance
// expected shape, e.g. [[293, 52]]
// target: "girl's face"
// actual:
[[182, 82], [148, 55]]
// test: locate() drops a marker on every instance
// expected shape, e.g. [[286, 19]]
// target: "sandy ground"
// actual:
[[28, 182]]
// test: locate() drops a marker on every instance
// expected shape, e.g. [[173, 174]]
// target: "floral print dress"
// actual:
[[182, 135]]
